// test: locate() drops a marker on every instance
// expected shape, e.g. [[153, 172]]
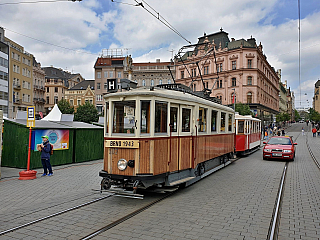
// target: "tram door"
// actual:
[[185, 139], [173, 163]]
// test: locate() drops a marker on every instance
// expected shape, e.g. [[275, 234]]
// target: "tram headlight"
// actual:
[[122, 164]]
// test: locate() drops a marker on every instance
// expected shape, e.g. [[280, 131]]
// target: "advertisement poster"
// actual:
[[58, 138]]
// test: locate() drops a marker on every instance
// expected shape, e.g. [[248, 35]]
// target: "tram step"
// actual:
[[181, 181]]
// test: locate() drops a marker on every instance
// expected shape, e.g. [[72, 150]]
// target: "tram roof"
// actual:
[[247, 117], [171, 94]]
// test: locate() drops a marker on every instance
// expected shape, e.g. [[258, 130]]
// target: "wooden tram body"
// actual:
[[157, 137], [248, 134]]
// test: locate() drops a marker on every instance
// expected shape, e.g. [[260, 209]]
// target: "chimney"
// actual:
[[157, 60]]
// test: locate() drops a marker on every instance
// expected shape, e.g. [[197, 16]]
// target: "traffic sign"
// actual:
[[31, 119]]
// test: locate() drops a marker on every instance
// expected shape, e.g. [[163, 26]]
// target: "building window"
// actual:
[[55, 89], [55, 100], [152, 82], [249, 63], [233, 82], [182, 74], [169, 81], [249, 97], [98, 85], [71, 102], [193, 72], [234, 65], [219, 84], [249, 82], [111, 74], [79, 102], [47, 100], [143, 82], [105, 86], [206, 70], [119, 74], [160, 82], [105, 74], [99, 98], [98, 74]]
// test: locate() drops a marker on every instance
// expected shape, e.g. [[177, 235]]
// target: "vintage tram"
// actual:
[[163, 137], [248, 134]]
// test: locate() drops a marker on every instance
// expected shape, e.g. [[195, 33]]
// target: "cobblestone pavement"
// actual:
[[300, 214], [234, 203]]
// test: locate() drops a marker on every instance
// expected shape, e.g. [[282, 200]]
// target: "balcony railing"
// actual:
[[17, 86]]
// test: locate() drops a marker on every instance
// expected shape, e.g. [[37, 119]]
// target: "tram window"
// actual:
[[202, 120], [214, 121], [240, 126], [145, 117], [230, 123], [186, 119], [173, 119], [223, 122], [161, 117], [124, 117]]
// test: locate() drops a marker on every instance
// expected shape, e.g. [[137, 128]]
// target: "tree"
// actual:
[[86, 113], [65, 107], [243, 109], [314, 115], [296, 115]]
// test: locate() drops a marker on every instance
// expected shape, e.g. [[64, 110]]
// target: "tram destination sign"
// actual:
[[122, 143]]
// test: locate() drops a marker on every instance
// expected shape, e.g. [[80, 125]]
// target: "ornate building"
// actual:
[[57, 83], [38, 88], [316, 98], [238, 66], [4, 74], [81, 93]]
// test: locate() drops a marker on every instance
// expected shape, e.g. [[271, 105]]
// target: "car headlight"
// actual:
[[287, 151], [122, 164], [267, 150]]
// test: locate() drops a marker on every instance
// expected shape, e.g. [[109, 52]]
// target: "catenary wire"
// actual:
[[49, 1]]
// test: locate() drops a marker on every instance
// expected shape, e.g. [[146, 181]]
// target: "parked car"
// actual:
[[279, 147]]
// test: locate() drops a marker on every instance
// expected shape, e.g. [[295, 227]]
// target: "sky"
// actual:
[[71, 35]]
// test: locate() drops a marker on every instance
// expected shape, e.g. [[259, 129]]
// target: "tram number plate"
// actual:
[[277, 154], [122, 143]]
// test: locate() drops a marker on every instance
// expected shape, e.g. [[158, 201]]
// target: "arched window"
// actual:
[[169, 81], [249, 97], [152, 82], [143, 82], [160, 81], [249, 82]]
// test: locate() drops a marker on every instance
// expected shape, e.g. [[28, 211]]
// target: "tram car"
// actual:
[[248, 134], [162, 137]]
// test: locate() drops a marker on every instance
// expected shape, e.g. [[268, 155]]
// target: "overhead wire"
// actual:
[[158, 16], [40, 1]]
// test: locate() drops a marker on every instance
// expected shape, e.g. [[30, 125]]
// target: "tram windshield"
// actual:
[[124, 117]]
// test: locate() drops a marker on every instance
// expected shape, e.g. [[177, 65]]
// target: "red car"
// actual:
[[279, 148]]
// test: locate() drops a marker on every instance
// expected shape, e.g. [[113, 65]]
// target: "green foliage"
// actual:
[[282, 117], [86, 113], [296, 115], [243, 109], [65, 107], [314, 115]]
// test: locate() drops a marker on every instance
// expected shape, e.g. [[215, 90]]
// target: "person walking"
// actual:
[[45, 156], [314, 132], [302, 131]]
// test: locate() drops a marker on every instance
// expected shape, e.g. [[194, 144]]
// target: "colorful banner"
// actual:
[[58, 138]]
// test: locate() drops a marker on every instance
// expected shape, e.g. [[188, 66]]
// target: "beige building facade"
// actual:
[[39, 76], [316, 98], [238, 66], [57, 82], [81, 93], [20, 78]]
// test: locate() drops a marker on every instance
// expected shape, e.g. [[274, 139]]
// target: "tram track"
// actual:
[[311, 153], [275, 220], [53, 215]]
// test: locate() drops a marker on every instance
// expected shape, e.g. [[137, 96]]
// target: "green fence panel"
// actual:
[[88, 144]]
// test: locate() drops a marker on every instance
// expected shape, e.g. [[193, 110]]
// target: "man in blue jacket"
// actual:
[[45, 156]]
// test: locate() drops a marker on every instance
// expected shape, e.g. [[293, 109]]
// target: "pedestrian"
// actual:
[[302, 131], [314, 132], [283, 133], [45, 156]]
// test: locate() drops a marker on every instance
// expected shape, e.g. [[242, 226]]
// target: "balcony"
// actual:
[[17, 86], [36, 99]]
